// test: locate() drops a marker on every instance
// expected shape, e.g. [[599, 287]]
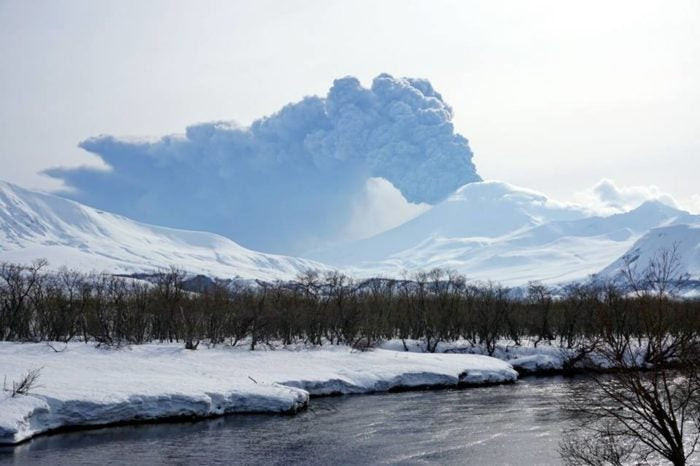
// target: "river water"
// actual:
[[508, 424]]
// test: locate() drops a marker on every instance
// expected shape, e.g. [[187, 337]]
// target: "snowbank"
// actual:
[[538, 364], [524, 358], [83, 385]]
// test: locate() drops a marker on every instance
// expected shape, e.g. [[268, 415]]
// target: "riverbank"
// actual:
[[84, 385], [526, 357], [519, 423]]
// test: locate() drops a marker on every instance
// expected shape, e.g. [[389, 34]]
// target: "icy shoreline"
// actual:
[[82, 385]]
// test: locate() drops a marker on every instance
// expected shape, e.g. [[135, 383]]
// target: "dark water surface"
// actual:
[[509, 424]]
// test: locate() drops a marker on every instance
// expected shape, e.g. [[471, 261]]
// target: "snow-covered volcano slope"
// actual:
[[476, 210], [35, 225], [486, 231], [495, 231], [685, 237]]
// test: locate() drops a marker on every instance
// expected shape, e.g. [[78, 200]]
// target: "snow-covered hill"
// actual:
[[486, 231], [477, 210], [495, 231], [685, 237], [35, 225]]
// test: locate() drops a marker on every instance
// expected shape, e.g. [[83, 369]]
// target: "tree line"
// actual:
[[331, 308]]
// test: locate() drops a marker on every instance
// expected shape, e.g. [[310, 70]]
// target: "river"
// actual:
[[508, 424]]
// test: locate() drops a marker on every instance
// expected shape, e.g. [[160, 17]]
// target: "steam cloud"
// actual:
[[606, 197], [290, 181]]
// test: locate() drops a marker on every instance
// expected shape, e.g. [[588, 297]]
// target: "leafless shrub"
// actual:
[[433, 307], [26, 384]]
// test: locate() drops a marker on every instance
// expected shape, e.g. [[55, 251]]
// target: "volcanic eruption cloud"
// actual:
[[292, 180]]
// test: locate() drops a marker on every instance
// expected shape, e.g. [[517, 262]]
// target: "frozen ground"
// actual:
[[84, 385]]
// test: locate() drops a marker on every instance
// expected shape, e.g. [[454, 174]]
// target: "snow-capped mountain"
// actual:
[[685, 237], [481, 210], [35, 225], [495, 231], [486, 231]]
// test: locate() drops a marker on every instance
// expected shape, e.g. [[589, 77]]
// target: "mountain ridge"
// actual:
[[533, 239], [37, 225]]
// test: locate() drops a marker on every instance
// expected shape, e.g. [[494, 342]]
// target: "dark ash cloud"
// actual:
[[288, 181]]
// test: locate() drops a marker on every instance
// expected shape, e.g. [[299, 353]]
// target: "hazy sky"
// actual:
[[552, 95]]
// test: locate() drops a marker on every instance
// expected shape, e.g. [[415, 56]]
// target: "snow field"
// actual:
[[86, 386]]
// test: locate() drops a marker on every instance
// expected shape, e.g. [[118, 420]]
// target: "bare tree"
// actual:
[[662, 276], [649, 407], [17, 282], [491, 310], [540, 298], [634, 416]]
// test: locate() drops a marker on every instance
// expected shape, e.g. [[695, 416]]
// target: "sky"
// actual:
[[552, 95]]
